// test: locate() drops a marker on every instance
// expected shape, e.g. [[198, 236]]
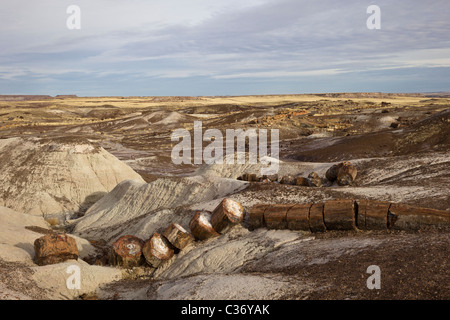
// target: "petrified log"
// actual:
[[178, 236], [405, 217], [315, 179], [372, 214], [339, 214], [332, 172], [297, 217], [288, 180], [227, 214], [346, 174], [127, 252], [275, 216], [55, 248], [316, 222], [302, 181], [257, 216], [157, 250], [201, 227]]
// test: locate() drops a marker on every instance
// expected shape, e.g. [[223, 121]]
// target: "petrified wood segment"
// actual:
[[201, 227], [257, 216], [127, 252], [297, 217], [55, 248], [339, 214], [373, 214], [178, 236], [346, 174], [157, 250], [275, 216], [405, 217], [227, 214], [316, 222]]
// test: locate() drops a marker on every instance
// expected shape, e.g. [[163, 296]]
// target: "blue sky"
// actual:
[[223, 47]]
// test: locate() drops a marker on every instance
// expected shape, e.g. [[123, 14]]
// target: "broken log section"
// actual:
[[227, 214], [127, 252], [340, 214], [407, 217], [201, 227], [178, 236], [346, 214], [157, 250]]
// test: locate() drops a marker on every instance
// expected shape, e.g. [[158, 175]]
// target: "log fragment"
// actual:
[[257, 216], [127, 252], [227, 214], [201, 227], [157, 250], [315, 179], [405, 217], [178, 236], [297, 217], [275, 216], [332, 172], [290, 180], [302, 181], [372, 215], [346, 174], [339, 214], [54, 248], [316, 222]]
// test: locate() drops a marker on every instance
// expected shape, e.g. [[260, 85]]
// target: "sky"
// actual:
[[223, 47]]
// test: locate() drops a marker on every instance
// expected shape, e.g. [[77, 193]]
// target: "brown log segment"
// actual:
[[275, 216], [201, 227], [178, 236], [127, 252], [297, 217], [157, 250], [315, 179], [346, 174], [405, 217], [302, 181], [290, 180], [332, 172], [54, 248], [340, 214], [373, 214], [316, 222], [257, 216], [227, 214]]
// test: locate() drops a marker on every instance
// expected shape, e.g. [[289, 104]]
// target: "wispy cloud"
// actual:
[[283, 41]]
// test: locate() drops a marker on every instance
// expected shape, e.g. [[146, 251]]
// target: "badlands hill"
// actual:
[[57, 178]]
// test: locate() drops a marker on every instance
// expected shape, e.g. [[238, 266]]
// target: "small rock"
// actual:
[[332, 172], [347, 174], [315, 180], [302, 181], [288, 180], [55, 248]]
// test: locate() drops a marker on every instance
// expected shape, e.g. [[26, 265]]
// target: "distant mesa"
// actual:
[[34, 97]]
